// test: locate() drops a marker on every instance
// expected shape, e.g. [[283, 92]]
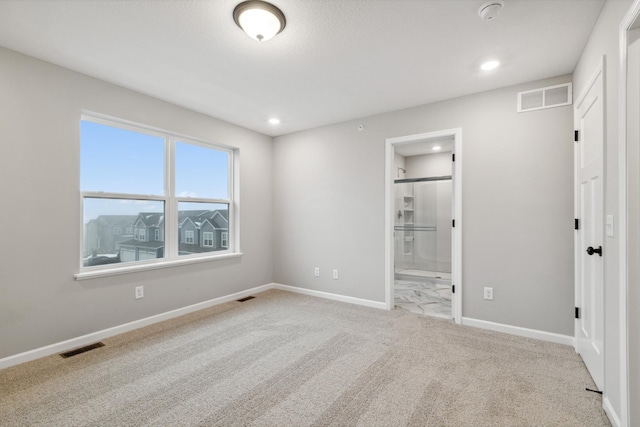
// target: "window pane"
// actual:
[[201, 172], [117, 230], [116, 160], [202, 227]]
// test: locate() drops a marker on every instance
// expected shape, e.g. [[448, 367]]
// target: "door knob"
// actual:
[[592, 251]]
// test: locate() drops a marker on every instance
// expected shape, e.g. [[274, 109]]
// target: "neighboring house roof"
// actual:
[[219, 219], [191, 214], [185, 220], [117, 219], [150, 219], [114, 220]]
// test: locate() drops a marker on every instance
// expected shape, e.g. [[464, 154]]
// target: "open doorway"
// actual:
[[423, 206]]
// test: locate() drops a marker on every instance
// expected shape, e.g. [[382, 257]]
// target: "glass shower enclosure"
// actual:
[[423, 214]]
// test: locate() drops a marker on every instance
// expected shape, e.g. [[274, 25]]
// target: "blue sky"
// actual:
[[122, 161]]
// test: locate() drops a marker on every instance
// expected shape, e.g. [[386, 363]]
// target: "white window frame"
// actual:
[[157, 235], [189, 237], [207, 236], [171, 201], [224, 239], [142, 234]]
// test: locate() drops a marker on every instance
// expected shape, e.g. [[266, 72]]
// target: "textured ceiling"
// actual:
[[336, 60]]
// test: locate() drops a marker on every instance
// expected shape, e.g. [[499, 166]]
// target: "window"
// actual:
[[224, 237], [207, 239], [152, 180], [142, 234]]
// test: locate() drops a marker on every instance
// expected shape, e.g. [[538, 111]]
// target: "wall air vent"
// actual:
[[546, 97]]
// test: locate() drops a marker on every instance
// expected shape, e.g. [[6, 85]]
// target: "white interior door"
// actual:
[[589, 120]]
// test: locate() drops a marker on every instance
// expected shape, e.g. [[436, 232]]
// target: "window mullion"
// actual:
[[171, 205], [104, 195]]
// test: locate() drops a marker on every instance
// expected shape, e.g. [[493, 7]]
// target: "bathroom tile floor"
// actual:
[[423, 297]]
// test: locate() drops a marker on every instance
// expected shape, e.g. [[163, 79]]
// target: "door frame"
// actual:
[[629, 20], [456, 235]]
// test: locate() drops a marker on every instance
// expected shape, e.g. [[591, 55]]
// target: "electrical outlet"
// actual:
[[335, 274], [316, 272], [488, 294], [139, 292]]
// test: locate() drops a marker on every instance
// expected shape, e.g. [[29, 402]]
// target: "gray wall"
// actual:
[[517, 205], [604, 41], [40, 302]]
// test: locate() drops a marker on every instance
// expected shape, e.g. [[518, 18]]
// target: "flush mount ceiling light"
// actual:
[[490, 10], [490, 65], [436, 148], [259, 19], [274, 121]]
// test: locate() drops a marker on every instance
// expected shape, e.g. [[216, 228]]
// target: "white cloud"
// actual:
[[188, 194]]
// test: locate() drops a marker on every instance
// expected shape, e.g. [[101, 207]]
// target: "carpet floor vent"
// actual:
[[82, 350], [245, 299]]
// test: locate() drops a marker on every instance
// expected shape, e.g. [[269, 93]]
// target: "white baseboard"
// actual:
[[522, 332], [611, 413], [106, 333], [327, 295]]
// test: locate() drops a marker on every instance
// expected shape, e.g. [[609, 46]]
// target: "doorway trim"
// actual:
[[629, 20], [456, 237]]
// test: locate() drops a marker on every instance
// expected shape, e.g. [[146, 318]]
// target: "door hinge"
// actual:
[[453, 157], [576, 135], [453, 289], [453, 223], [576, 224], [577, 312]]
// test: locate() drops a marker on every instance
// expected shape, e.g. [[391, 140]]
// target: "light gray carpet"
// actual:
[[284, 359]]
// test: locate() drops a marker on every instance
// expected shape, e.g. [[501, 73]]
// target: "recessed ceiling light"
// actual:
[[274, 121], [259, 19], [436, 148], [490, 65]]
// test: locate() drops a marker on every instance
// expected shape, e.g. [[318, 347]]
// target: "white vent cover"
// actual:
[[546, 97]]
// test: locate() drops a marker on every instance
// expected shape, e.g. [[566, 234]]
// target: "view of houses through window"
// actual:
[[131, 212]]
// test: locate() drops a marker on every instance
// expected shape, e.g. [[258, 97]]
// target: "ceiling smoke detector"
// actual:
[[490, 10]]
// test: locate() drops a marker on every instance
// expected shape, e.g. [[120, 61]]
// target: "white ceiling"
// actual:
[[336, 60]]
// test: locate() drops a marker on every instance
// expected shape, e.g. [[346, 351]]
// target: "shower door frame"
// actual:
[[456, 231]]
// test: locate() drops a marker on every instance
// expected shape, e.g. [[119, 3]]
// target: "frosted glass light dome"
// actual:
[[259, 19]]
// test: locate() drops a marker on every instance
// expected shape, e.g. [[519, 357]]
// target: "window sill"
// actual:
[[92, 274]]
